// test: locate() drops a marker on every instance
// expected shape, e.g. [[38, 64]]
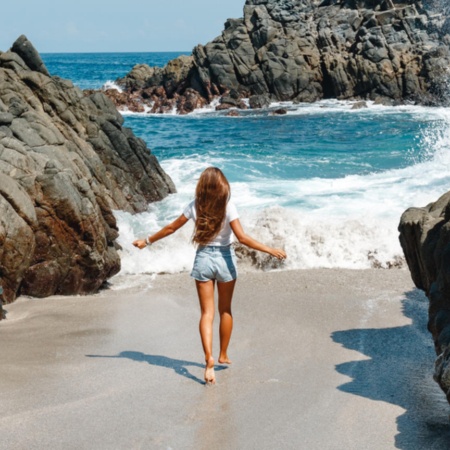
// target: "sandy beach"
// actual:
[[322, 359]]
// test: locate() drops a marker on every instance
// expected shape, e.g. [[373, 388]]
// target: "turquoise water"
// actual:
[[288, 147], [326, 182], [92, 70]]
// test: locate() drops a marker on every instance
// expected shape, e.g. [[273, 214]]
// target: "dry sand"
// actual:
[[322, 359]]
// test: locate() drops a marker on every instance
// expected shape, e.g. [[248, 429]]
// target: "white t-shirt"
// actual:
[[225, 236]]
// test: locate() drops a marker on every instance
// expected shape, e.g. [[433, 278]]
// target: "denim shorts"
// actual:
[[215, 263]]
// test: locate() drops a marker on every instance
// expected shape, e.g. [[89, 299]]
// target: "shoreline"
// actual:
[[322, 358], [334, 105]]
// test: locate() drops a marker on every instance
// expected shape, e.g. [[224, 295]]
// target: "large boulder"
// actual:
[[307, 50], [66, 162], [425, 238]]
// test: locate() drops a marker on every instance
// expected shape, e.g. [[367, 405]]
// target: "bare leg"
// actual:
[[205, 291], [226, 318]]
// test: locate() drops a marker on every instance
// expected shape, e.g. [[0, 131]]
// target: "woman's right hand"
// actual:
[[140, 243]]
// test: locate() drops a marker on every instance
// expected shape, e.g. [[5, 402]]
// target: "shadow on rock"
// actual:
[[400, 372], [178, 365]]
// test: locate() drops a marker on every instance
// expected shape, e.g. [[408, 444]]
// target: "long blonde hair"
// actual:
[[211, 197]]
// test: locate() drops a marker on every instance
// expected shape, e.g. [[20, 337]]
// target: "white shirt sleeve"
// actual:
[[189, 211], [232, 212]]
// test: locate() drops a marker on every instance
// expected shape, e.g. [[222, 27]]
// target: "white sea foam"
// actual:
[[348, 222], [111, 85], [172, 255], [210, 108], [328, 106], [207, 109]]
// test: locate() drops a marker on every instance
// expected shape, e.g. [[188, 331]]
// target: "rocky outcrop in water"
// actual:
[[66, 162], [425, 238], [306, 50]]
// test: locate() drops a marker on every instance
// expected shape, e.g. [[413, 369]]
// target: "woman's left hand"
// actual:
[[278, 253], [140, 243]]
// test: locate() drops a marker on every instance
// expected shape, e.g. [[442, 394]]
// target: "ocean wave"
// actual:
[[309, 243], [327, 106], [111, 85], [348, 222]]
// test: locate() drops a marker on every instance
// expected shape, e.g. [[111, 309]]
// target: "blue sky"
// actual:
[[115, 26]]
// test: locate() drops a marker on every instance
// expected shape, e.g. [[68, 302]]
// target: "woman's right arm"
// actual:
[[163, 232], [252, 243]]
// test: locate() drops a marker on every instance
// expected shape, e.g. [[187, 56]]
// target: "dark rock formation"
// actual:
[[307, 50], [161, 90], [279, 112], [425, 238], [66, 162], [2, 312]]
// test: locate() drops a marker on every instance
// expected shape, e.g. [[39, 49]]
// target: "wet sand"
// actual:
[[322, 359]]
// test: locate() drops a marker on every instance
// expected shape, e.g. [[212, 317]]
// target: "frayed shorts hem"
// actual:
[[213, 279], [215, 263]]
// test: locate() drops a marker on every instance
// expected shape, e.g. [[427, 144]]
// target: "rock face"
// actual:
[[66, 162], [425, 238], [307, 50]]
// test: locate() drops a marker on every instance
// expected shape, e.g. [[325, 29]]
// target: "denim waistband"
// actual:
[[215, 248]]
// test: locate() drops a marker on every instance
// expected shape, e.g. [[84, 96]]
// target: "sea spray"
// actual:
[[111, 85], [435, 140], [309, 242]]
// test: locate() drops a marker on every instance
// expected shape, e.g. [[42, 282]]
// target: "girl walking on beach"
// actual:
[[216, 220]]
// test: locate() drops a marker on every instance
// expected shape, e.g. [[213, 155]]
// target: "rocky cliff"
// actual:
[[306, 50], [66, 162], [425, 238]]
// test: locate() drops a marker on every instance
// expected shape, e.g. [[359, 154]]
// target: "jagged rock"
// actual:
[[66, 162], [224, 106], [138, 76], [190, 101], [307, 50], [259, 101], [122, 100], [29, 55], [383, 101], [2, 312], [359, 105], [425, 239]]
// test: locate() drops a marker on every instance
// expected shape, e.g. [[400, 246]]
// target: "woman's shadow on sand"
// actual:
[[179, 366], [399, 372]]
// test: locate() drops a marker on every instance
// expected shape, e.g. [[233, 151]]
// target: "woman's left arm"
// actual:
[[247, 240], [163, 232]]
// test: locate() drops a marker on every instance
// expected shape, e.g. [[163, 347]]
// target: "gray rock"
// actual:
[[24, 48], [385, 101], [229, 100], [279, 112], [11, 60], [259, 101], [425, 239], [138, 76], [66, 162], [6, 118], [2, 312], [306, 50], [359, 105]]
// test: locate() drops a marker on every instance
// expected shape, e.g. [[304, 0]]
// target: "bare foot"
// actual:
[[210, 376], [223, 359]]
